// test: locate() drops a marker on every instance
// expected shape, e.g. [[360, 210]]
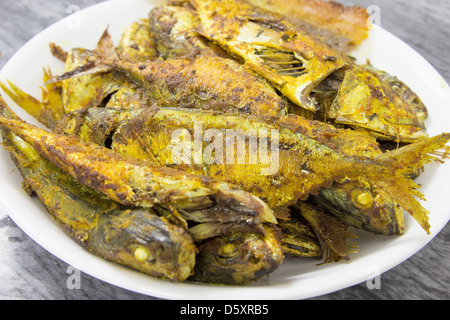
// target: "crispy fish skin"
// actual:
[[190, 85], [136, 238], [239, 258], [325, 19], [403, 91], [292, 60]]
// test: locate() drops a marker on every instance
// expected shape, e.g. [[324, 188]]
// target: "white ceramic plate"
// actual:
[[294, 279]]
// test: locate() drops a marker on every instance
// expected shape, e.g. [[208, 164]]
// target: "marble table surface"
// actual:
[[29, 272]]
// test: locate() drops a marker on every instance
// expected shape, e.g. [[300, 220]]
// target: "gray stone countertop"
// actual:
[[29, 272]]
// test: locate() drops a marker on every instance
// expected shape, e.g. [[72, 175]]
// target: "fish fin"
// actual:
[[405, 192], [27, 102], [414, 156], [90, 67], [45, 112], [58, 52], [105, 47], [333, 232], [103, 61]]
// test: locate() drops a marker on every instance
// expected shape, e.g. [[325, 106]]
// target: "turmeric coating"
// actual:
[[220, 136]]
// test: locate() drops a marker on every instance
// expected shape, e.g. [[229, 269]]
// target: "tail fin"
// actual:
[[47, 111], [414, 156], [104, 58], [399, 163]]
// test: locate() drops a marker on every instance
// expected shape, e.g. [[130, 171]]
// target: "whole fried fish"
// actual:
[[146, 239], [305, 163], [132, 182], [188, 83]]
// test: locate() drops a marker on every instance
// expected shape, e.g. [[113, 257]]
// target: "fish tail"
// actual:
[[412, 157], [40, 111]]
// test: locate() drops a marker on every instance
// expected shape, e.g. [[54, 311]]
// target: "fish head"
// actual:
[[238, 258], [365, 101], [363, 206], [140, 239], [404, 92], [137, 43]]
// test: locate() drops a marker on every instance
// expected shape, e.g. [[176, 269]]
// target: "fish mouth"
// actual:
[[228, 210], [305, 94]]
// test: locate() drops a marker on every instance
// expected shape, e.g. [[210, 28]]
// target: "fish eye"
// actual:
[[141, 253], [228, 251], [362, 199]]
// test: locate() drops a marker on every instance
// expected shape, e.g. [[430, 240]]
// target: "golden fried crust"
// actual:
[[367, 102], [303, 162], [123, 179], [347, 22], [209, 83], [89, 90], [287, 56]]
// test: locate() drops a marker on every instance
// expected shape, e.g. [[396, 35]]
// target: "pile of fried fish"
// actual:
[[351, 139]]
